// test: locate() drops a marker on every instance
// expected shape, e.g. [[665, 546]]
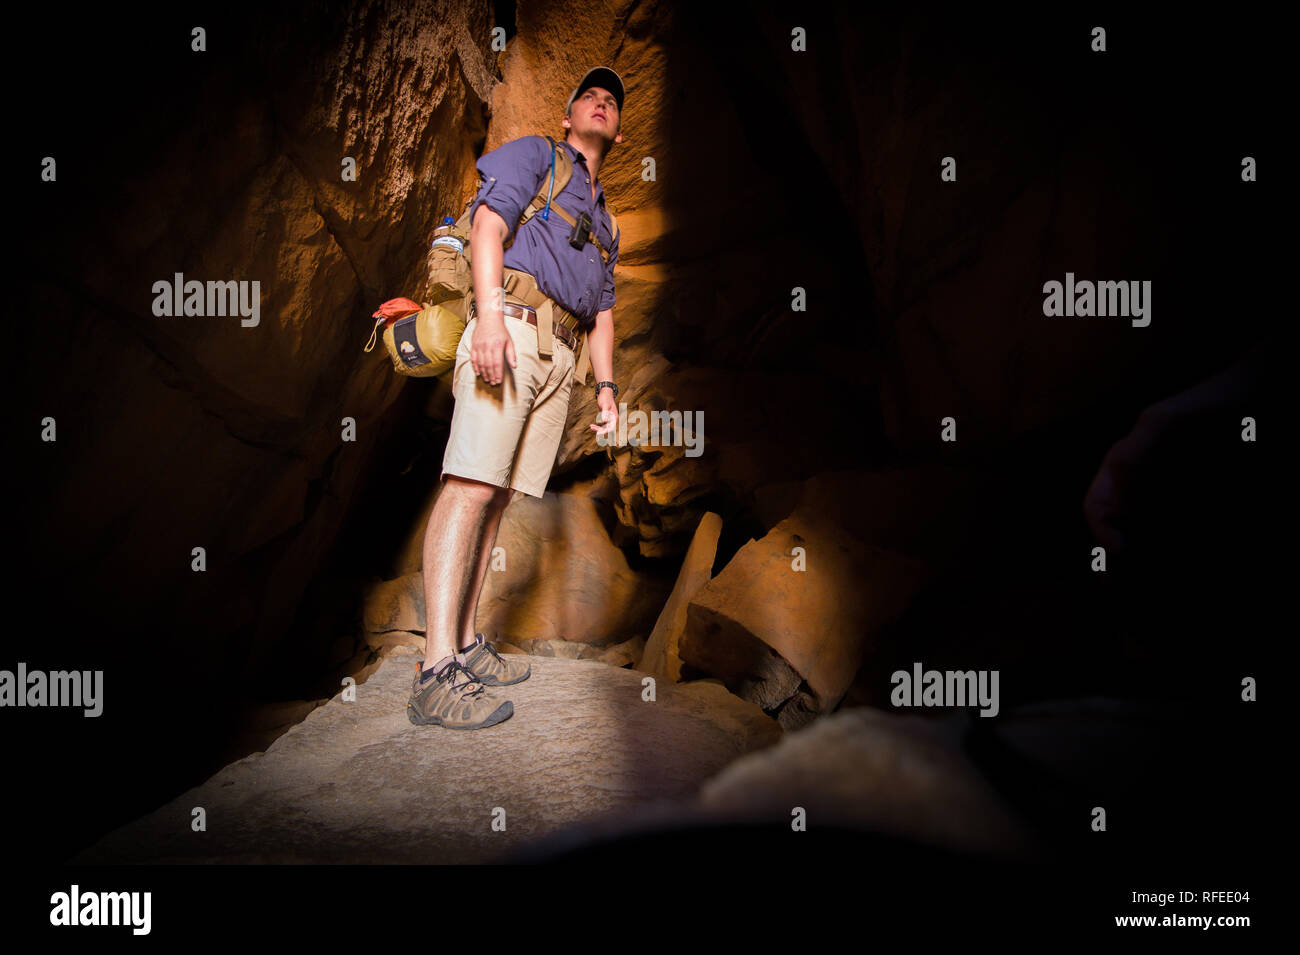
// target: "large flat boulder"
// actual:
[[356, 782]]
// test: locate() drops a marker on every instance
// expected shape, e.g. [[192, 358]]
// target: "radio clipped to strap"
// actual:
[[591, 232]]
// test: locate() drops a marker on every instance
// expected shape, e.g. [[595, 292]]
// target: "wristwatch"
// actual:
[[606, 384]]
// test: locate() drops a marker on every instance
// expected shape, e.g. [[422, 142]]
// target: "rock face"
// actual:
[[356, 782], [187, 432]]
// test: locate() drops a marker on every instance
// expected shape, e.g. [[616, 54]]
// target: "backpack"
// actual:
[[424, 344]]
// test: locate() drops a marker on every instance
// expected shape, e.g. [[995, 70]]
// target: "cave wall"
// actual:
[[196, 431]]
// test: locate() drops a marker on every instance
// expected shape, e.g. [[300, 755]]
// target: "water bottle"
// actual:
[[443, 237]]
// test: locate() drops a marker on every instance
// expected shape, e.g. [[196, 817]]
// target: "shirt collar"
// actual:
[[574, 153], [577, 156]]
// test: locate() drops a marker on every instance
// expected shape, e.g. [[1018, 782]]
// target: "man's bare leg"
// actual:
[[453, 542], [491, 524]]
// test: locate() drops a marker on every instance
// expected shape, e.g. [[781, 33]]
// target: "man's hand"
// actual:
[[491, 340], [609, 412]]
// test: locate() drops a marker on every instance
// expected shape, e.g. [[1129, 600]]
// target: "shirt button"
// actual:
[[591, 260], [588, 179]]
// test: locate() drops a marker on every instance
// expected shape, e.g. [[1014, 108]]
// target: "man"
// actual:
[[512, 390]]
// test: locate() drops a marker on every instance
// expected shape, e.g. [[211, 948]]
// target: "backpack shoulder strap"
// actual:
[[555, 177], [613, 221]]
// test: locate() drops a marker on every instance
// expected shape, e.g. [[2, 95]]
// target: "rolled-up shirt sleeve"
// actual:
[[510, 176], [607, 296]]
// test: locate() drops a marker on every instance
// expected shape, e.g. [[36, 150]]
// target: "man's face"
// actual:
[[595, 113]]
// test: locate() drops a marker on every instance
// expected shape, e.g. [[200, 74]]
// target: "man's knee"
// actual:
[[477, 493]]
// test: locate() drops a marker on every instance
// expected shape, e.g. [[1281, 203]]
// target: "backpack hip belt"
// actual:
[[522, 286], [526, 313]]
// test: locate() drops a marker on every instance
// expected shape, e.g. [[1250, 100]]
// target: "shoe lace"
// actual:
[[449, 672], [492, 650]]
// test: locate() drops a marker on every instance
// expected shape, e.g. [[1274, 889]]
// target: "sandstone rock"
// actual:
[[559, 577], [624, 654], [675, 478], [563, 578], [563, 649], [620, 654], [395, 638], [765, 627], [661, 658], [395, 605], [357, 783], [870, 769], [799, 709]]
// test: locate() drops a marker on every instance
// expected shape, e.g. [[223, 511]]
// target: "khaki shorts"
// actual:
[[509, 434]]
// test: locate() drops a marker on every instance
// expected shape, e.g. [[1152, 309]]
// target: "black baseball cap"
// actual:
[[603, 77]]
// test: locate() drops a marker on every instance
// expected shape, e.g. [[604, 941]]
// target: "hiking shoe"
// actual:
[[491, 668], [453, 697]]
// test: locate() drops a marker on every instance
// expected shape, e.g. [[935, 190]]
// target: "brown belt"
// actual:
[[528, 314]]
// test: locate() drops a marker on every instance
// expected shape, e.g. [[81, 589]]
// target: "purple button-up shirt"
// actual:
[[577, 279]]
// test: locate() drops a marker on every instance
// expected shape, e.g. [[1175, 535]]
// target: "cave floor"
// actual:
[[357, 782]]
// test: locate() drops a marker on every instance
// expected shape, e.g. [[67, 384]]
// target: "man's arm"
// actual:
[[510, 175], [601, 342], [487, 237]]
